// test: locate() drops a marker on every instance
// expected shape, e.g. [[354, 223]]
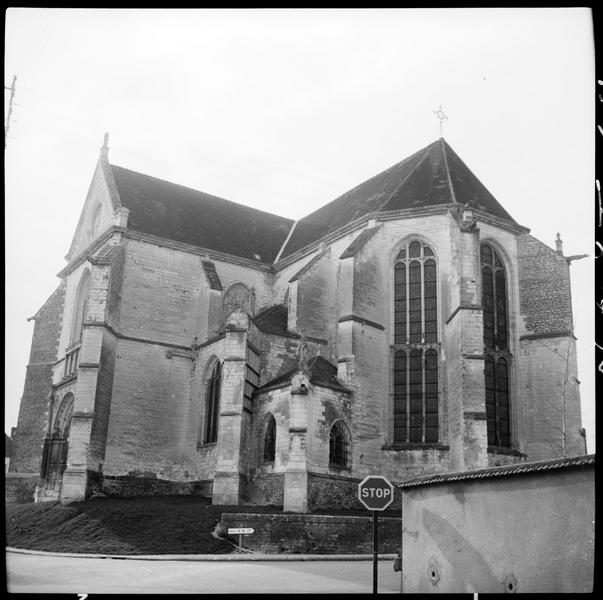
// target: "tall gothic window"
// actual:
[[72, 354], [270, 440], [496, 347], [212, 405], [81, 304], [339, 441], [415, 345]]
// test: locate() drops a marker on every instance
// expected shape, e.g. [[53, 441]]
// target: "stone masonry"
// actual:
[[301, 317]]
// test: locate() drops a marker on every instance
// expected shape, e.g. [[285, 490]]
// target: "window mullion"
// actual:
[[407, 303], [422, 279], [407, 395], [494, 305], [423, 398]]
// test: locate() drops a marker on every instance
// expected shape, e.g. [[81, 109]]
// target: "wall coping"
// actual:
[[298, 517], [504, 471]]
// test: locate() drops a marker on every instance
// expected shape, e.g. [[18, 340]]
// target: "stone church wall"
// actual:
[[147, 424], [546, 397], [547, 359], [33, 412], [102, 401], [544, 282], [159, 293]]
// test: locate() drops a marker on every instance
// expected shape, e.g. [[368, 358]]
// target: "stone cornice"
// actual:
[[554, 334], [462, 307], [362, 321], [199, 250], [84, 255]]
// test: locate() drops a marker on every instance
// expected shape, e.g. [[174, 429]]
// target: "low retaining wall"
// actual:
[[130, 485], [321, 534], [19, 488]]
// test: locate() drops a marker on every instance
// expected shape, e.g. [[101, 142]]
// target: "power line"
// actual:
[[10, 108]]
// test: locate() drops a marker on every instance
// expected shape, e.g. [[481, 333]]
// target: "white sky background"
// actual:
[[284, 110]]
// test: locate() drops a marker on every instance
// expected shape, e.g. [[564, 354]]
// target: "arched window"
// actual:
[[212, 405], [72, 355], [496, 346], [415, 345], [62, 420], [339, 441], [494, 300], [270, 440], [81, 304]]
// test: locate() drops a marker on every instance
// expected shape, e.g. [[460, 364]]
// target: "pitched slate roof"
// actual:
[[432, 176], [321, 372], [182, 214]]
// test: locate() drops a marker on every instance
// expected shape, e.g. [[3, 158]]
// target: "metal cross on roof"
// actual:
[[441, 116]]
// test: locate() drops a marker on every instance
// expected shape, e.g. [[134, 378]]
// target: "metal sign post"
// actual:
[[375, 548], [376, 493], [241, 531]]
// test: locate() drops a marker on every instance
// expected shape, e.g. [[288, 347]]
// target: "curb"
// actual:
[[209, 557]]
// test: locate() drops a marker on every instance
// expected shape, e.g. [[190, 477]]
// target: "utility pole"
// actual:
[[10, 108]]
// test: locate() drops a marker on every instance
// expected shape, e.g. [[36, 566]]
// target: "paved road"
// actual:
[[50, 574]]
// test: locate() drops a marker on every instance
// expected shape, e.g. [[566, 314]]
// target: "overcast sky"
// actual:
[[284, 110]]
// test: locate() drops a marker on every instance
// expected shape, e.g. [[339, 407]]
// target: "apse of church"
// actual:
[[409, 327]]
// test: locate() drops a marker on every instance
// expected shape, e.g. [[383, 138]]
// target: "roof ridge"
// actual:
[[444, 144], [186, 187], [404, 160], [426, 150], [284, 244]]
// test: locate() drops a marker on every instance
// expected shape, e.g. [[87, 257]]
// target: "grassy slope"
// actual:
[[143, 525], [153, 525]]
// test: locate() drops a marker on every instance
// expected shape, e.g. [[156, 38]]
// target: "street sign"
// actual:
[[375, 492], [240, 530]]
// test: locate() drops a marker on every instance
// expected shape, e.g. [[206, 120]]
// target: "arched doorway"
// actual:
[[56, 444]]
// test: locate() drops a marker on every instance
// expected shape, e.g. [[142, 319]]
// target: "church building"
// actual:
[[198, 346]]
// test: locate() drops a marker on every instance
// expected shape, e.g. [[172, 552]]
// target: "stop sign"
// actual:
[[375, 492]]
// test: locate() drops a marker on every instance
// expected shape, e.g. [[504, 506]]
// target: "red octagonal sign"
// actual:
[[375, 492]]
